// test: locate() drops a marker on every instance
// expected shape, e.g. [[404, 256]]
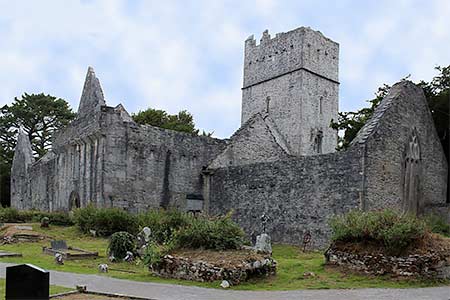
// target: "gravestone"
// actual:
[[27, 282], [58, 245]]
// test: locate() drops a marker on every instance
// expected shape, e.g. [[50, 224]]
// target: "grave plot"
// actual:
[[15, 233], [68, 253], [235, 266]]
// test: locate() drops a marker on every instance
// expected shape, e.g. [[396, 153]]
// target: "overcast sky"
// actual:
[[176, 55]]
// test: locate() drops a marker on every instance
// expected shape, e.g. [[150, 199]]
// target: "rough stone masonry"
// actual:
[[281, 162]]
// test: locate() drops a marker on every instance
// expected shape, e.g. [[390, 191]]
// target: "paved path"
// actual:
[[161, 291]]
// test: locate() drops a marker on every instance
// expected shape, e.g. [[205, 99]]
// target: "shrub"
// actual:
[[164, 223], [55, 218], [121, 242], [437, 224], [84, 218], [394, 231], [105, 221], [218, 234], [154, 252], [10, 215]]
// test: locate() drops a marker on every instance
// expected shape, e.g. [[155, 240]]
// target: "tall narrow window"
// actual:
[[267, 104], [318, 142], [320, 104], [411, 175]]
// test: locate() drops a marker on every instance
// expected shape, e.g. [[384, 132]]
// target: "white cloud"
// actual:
[[188, 55]]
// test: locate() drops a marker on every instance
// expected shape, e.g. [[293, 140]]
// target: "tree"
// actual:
[[183, 121], [39, 115], [351, 122], [437, 92]]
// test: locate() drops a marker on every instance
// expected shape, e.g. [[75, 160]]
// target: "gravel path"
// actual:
[[177, 292]]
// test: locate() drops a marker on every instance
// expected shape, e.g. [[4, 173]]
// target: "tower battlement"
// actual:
[[301, 48]]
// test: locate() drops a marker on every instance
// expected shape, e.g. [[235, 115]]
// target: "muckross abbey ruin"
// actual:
[[281, 161]]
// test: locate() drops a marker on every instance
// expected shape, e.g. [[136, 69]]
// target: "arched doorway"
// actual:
[[74, 200], [411, 175]]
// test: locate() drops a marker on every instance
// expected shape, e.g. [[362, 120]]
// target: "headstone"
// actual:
[[59, 245], [263, 244], [27, 282]]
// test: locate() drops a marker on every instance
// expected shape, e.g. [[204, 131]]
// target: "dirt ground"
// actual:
[[220, 258]]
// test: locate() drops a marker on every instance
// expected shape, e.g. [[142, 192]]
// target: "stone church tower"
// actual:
[[293, 78]]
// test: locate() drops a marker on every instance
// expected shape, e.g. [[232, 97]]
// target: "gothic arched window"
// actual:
[[411, 175]]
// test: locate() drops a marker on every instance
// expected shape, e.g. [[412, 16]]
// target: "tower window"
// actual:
[[320, 104], [267, 104], [318, 142]]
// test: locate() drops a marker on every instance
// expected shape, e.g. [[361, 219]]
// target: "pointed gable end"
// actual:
[[254, 142], [92, 97]]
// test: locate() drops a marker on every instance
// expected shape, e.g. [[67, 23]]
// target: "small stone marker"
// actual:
[[263, 244], [225, 284], [103, 268], [58, 245], [27, 282]]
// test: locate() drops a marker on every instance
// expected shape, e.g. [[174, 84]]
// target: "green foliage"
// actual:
[[183, 121], [12, 215], [351, 122], [164, 223], [437, 224], [394, 231], [121, 242], [186, 231], [40, 115], [437, 92], [219, 233], [105, 221], [154, 252]]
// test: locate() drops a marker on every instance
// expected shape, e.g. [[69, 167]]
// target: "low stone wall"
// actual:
[[431, 265], [197, 270]]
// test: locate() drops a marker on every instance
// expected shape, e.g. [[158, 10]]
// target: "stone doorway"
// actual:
[[74, 200]]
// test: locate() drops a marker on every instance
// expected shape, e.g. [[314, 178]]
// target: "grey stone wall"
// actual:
[[384, 140], [298, 194], [294, 78], [149, 167], [256, 141]]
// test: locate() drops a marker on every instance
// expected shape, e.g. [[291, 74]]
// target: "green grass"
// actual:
[[53, 289], [292, 263]]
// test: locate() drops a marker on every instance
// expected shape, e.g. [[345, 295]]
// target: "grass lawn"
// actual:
[[292, 264], [53, 289]]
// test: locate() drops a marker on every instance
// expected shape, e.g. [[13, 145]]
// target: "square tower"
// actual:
[[293, 78]]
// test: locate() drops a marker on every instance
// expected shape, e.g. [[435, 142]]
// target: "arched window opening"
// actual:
[[411, 175], [74, 200]]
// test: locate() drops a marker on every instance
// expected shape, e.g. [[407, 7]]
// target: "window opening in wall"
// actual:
[[267, 104], [320, 104], [74, 200], [318, 142], [411, 171]]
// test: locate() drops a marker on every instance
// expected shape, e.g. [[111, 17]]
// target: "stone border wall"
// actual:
[[430, 266], [185, 268]]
